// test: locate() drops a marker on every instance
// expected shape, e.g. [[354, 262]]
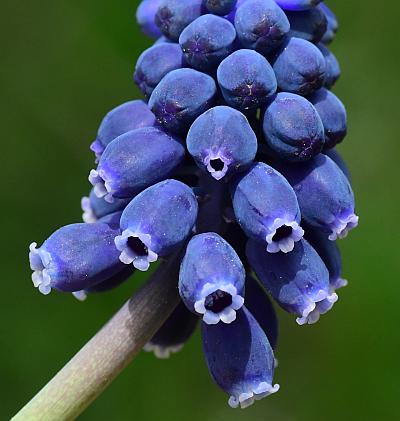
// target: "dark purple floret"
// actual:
[[240, 359], [299, 67], [333, 116], [174, 333], [261, 25], [173, 16], [180, 97], [207, 41], [154, 63], [333, 24], [222, 141], [293, 128], [310, 25], [145, 15], [297, 4], [332, 70], [246, 80]]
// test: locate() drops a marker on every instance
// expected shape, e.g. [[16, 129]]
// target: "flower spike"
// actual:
[[211, 279]]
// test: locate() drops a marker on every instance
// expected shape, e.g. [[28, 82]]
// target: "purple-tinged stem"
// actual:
[[100, 361]]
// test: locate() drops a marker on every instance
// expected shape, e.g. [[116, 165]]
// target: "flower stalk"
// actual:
[[100, 361]]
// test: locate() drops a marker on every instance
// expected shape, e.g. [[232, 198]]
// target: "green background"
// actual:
[[64, 64]]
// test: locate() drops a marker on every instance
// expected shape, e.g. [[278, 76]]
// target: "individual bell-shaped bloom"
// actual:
[[207, 41], [297, 4], [220, 7], [310, 24], [134, 161], [297, 280], [212, 197], [261, 25], [332, 66], [124, 118], [211, 279], [333, 24], [339, 161], [246, 80], [260, 306], [330, 254], [113, 282], [299, 67], [180, 97], [293, 128], [325, 195], [240, 359], [94, 207], [145, 15], [222, 141], [266, 208], [173, 16], [156, 222], [154, 63], [75, 257], [174, 333], [333, 116]]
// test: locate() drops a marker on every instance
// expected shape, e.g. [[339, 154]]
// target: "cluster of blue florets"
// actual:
[[229, 166]]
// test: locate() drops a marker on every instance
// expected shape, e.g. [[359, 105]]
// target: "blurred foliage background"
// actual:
[[64, 64]]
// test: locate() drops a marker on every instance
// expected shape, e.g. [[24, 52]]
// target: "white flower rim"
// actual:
[[321, 304], [286, 245], [88, 215], [218, 175], [228, 314], [128, 256], [341, 226], [102, 187], [246, 399], [40, 261], [162, 352]]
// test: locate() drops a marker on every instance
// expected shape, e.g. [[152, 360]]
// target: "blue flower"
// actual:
[[135, 161], [211, 279], [222, 141], [240, 359], [325, 195], [124, 118], [266, 207], [155, 223], [74, 258], [298, 281], [174, 333]]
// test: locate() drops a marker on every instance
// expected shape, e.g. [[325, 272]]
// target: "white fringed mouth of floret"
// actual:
[[286, 244], [102, 187], [228, 314], [339, 283], [97, 148], [321, 304], [162, 352], [216, 156], [129, 256], [342, 225], [88, 215], [80, 295], [40, 262], [246, 399]]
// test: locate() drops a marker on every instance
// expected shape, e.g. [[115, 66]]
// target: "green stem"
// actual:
[[99, 362]]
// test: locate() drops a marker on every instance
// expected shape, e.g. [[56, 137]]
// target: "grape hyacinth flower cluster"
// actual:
[[229, 162]]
